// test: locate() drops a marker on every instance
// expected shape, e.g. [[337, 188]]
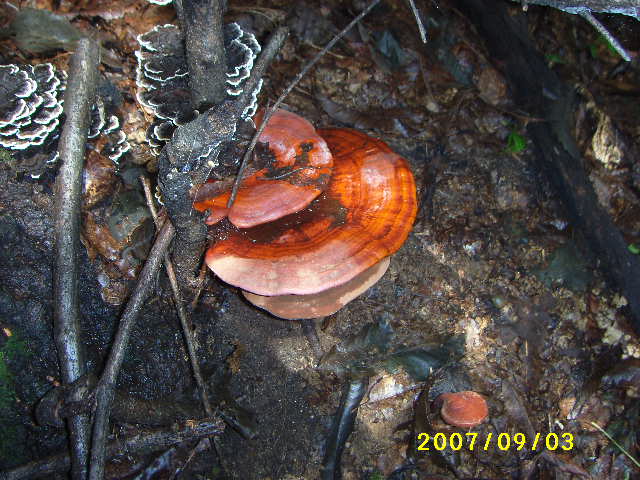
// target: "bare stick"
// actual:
[[145, 441], [588, 16], [106, 386], [185, 321], [204, 44], [200, 285], [81, 90], [416, 13], [274, 107]]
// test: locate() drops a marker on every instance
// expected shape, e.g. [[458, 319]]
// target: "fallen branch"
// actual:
[[142, 443], [185, 321], [585, 9], [81, 90], [106, 385], [204, 44]]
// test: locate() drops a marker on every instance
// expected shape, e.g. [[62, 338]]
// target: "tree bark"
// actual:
[[204, 42]]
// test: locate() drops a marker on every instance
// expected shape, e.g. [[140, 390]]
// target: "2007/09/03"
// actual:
[[504, 441]]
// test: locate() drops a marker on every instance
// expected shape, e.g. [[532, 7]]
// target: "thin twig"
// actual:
[[416, 13], [627, 454], [106, 386], [200, 285], [145, 441], [185, 321], [613, 41], [83, 78], [274, 107]]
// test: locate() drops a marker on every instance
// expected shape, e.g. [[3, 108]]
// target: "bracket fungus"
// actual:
[[31, 105], [162, 76], [286, 176], [312, 262]]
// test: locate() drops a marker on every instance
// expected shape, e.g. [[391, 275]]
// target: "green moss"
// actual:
[[10, 350], [13, 348]]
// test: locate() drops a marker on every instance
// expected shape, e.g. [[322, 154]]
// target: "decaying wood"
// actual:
[[81, 90], [585, 9], [625, 7], [144, 442], [201, 21], [186, 162]]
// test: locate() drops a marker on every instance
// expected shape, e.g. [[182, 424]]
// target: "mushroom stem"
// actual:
[[202, 25], [106, 386], [80, 95]]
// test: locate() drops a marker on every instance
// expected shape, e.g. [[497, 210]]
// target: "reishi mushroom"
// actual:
[[316, 305], [293, 171], [463, 409], [312, 262]]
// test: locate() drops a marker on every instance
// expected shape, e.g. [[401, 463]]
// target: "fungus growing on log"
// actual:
[[30, 111], [364, 215], [30, 104], [463, 409], [162, 76], [327, 302]]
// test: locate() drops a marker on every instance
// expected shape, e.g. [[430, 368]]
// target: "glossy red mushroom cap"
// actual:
[[463, 409], [289, 173], [365, 215]]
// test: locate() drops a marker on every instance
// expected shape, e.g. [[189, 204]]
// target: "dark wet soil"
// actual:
[[492, 258]]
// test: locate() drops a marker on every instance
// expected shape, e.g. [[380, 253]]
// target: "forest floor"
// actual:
[[492, 260]]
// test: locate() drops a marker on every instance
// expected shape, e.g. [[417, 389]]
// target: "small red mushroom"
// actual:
[[463, 409]]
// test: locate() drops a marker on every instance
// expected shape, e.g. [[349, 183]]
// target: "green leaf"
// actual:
[[554, 58], [633, 248], [516, 142]]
